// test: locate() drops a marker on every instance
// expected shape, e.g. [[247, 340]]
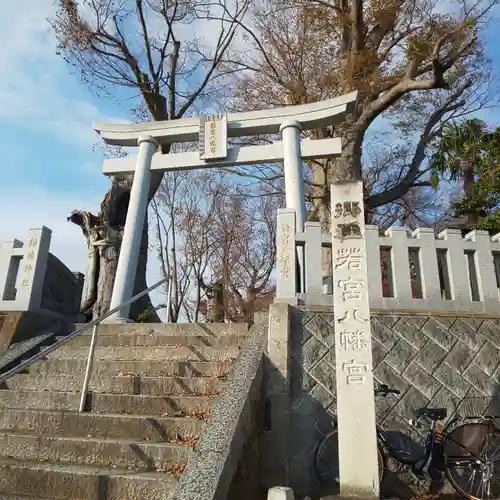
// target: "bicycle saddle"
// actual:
[[433, 413]]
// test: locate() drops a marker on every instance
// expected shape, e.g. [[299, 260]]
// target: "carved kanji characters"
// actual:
[[347, 209], [353, 340], [355, 371], [355, 315], [349, 257], [348, 232], [352, 289]]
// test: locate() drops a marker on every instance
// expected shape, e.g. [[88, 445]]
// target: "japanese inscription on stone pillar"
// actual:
[[28, 267], [355, 398]]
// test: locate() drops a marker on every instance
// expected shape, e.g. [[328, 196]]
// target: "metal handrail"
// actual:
[[19, 368]]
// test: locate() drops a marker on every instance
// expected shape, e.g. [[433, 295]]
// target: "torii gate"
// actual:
[[212, 133]]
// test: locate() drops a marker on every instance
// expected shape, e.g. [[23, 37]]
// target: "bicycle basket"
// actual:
[[485, 406]]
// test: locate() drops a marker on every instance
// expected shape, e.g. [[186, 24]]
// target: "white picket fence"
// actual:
[[450, 272]]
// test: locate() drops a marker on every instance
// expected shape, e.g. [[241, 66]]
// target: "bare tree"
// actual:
[[182, 215], [414, 64], [244, 259], [150, 52], [222, 234]]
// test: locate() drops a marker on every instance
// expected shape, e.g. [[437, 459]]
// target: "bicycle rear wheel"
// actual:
[[326, 461], [472, 460]]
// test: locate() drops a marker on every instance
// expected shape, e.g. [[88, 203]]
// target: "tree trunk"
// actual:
[[104, 234], [326, 172], [472, 216]]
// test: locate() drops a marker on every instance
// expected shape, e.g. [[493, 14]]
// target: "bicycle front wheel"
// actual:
[[326, 461], [472, 460]]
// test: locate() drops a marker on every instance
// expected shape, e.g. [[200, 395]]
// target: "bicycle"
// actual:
[[458, 449]]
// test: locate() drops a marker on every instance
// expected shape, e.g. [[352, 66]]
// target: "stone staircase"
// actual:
[[153, 387]]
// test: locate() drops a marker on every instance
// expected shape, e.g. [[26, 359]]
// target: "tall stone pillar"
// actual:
[[129, 253], [294, 183], [358, 459], [292, 166]]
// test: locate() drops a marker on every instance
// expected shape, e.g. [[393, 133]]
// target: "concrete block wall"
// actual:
[[452, 273], [434, 360]]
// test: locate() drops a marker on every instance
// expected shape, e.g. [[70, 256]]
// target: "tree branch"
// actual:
[[413, 173]]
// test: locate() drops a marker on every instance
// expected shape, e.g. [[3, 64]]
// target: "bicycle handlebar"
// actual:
[[384, 390]]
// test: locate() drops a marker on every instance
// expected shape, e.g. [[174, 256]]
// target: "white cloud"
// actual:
[[67, 242], [38, 93], [35, 81], [44, 209]]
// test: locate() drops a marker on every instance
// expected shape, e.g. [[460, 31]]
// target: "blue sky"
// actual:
[[49, 166]]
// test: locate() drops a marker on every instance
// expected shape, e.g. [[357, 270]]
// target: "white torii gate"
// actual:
[[212, 133]]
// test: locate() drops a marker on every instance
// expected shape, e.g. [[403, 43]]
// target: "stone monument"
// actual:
[[358, 464]]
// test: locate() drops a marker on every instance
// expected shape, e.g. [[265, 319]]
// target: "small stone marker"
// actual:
[[280, 493], [358, 460]]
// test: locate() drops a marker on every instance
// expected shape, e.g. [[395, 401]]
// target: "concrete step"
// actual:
[[191, 353], [156, 339], [22, 497], [118, 384], [139, 368], [195, 406], [126, 454], [62, 482], [113, 426], [174, 329]]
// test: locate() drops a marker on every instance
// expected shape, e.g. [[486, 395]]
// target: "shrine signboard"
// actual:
[[358, 459], [213, 137]]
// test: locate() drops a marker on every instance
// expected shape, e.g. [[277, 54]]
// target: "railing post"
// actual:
[[313, 263], [400, 266], [485, 267], [373, 266], [286, 257], [429, 271], [280, 493], [88, 370], [457, 268], [495, 239]]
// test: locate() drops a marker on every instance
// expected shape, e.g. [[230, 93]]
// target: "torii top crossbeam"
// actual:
[[213, 151], [267, 121]]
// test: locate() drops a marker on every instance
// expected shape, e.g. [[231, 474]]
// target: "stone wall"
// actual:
[[62, 289], [434, 361], [246, 483], [225, 465], [21, 331]]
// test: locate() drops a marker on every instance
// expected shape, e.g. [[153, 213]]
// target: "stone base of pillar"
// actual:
[[117, 320], [280, 493]]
